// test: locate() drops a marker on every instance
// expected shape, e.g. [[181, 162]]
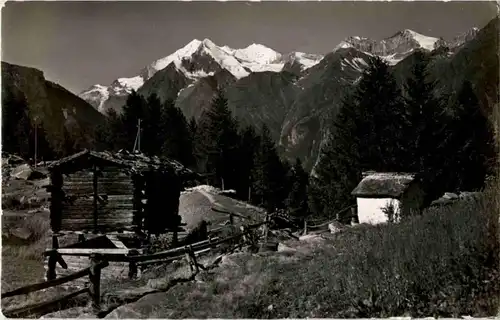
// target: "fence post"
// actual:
[[81, 237], [95, 281], [193, 260], [175, 237], [244, 236], [266, 227], [188, 258], [51, 270], [132, 267]]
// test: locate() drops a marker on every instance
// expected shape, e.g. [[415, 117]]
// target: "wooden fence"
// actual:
[[100, 261], [94, 274]]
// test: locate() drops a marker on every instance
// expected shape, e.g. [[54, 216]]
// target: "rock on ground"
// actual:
[[284, 248], [77, 312], [142, 308], [310, 237], [25, 172], [21, 233]]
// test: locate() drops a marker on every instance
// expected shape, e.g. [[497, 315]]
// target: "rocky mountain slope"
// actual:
[[60, 112], [295, 94]]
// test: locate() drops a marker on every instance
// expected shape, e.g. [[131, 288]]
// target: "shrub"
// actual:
[[390, 211]]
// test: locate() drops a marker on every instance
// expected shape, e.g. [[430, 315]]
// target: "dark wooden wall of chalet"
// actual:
[[115, 211], [161, 211]]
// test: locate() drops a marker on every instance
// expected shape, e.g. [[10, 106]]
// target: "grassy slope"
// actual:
[[444, 263]]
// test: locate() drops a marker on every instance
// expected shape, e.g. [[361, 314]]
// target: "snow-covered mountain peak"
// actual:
[[346, 43], [425, 42], [98, 87], [209, 44], [129, 84], [306, 60], [257, 53], [395, 48]]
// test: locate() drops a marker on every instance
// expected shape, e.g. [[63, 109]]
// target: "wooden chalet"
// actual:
[[112, 201]]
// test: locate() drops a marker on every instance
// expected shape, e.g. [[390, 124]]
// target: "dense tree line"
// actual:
[[383, 128], [19, 131], [244, 159]]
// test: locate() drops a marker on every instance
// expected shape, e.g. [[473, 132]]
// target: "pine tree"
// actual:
[[16, 125], [18, 130], [367, 134], [218, 142], [192, 127], [269, 175], [152, 127], [297, 201], [134, 109], [248, 147], [177, 140], [380, 118], [339, 168], [110, 134], [424, 129], [470, 144], [424, 115]]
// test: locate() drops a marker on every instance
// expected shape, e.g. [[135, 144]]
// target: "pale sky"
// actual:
[[78, 44]]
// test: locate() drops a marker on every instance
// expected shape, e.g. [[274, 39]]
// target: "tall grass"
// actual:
[[38, 227]]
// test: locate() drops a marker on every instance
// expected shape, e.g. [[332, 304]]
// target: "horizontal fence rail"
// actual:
[[93, 272], [42, 307], [322, 223]]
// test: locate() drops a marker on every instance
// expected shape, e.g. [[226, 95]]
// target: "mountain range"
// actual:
[[296, 94]]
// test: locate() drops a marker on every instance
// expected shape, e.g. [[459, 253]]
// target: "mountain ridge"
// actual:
[[299, 98], [259, 58]]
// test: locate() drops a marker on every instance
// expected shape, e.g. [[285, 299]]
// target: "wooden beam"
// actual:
[[84, 232], [56, 198], [95, 281], [116, 241], [44, 307], [86, 251], [47, 284], [94, 185], [180, 250]]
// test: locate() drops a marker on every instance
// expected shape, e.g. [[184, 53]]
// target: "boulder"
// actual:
[[77, 312], [25, 172], [284, 248], [268, 247], [149, 306], [198, 233], [12, 159], [449, 196], [466, 195], [310, 237], [21, 233], [335, 227]]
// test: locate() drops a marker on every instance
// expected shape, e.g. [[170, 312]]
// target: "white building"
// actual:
[[379, 190]]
